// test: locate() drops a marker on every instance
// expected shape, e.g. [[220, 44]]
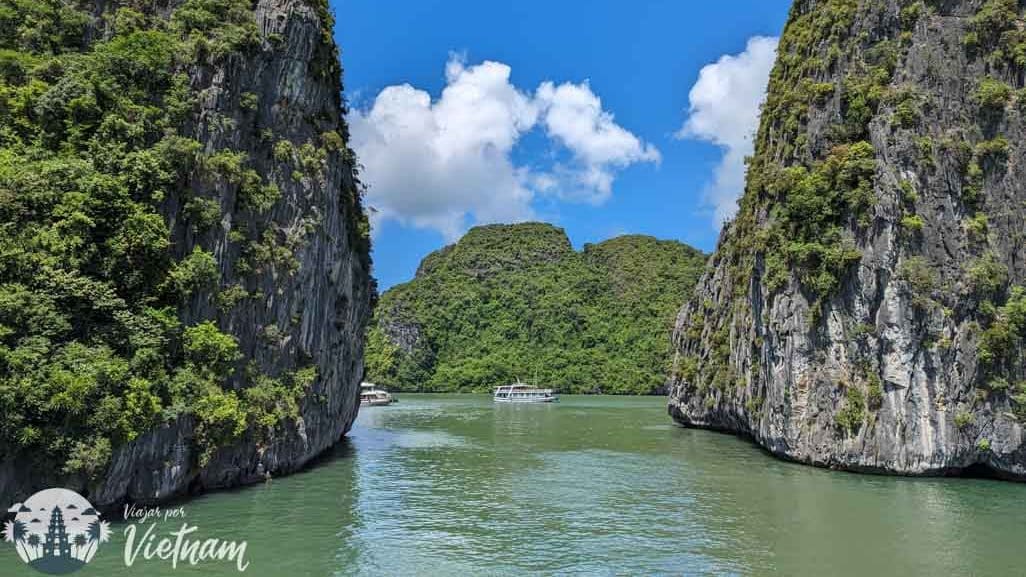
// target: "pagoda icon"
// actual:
[[57, 544], [63, 545]]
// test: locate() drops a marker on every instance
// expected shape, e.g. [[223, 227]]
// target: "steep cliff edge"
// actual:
[[185, 271], [510, 301], [865, 309]]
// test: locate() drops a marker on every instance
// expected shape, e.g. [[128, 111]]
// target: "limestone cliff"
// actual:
[[233, 348], [864, 310]]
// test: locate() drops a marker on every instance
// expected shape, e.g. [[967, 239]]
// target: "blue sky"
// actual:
[[631, 174]]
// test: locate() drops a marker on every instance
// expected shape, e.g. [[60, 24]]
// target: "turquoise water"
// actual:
[[454, 485]]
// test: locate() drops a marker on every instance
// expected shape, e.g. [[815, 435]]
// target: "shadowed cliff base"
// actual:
[[971, 470]]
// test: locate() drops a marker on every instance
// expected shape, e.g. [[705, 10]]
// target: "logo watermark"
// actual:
[[56, 531], [143, 539]]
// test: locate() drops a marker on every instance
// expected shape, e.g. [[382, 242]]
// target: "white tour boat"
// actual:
[[522, 393], [372, 396]]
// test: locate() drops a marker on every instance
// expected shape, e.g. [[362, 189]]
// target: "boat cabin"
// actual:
[[370, 394], [522, 393]]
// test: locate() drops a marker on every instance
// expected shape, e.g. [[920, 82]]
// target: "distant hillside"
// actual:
[[511, 301]]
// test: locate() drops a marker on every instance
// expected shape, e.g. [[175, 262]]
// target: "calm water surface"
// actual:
[[452, 485]]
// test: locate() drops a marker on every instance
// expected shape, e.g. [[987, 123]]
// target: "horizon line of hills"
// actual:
[[515, 300]]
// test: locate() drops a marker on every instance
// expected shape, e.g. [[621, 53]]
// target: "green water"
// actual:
[[450, 485]]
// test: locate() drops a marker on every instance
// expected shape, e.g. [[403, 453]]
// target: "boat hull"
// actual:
[[377, 403]]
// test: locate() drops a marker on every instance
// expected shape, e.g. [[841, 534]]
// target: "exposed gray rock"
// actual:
[[405, 335], [790, 369]]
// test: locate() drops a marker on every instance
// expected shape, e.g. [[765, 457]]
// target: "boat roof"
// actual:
[[523, 387]]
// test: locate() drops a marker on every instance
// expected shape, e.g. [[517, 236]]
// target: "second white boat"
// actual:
[[522, 393]]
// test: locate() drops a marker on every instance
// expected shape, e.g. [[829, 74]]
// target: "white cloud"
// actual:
[[574, 117], [431, 164], [446, 164], [724, 110]]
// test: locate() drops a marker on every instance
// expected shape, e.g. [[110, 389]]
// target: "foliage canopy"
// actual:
[[512, 301]]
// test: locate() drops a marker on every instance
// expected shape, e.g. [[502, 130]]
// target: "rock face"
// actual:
[[864, 310], [304, 306], [510, 301]]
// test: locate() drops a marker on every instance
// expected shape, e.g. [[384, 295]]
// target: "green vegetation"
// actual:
[[196, 272], [994, 150], [920, 278], [874, 390], [517, 301], [994, 33], [993, 95], [986, 276], [203, 213], [93, 351], [912, 222], [808, 236], [908, 192], [977, 226], [963, 419], [906, 109], [1002, 341], [1018, 397], [850, 417]]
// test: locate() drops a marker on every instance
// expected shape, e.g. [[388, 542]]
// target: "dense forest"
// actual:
[[516, 301]]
